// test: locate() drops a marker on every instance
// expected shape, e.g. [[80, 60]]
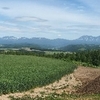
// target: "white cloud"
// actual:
[[59, 35], [7, 23], [94, 5], [30, 18], [10, 29], [33, 17], [5, 8], [45, 12]]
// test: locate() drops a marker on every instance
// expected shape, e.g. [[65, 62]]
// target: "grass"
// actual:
[[21, 73]]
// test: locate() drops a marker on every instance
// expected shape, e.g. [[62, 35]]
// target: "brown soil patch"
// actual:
[[93, 87], [86, 74], [90, 78]]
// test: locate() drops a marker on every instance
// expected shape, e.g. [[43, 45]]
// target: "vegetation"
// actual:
[[89, 57], [18, 46], [22, 52], [20, 73], [36, 68], [80, 47]]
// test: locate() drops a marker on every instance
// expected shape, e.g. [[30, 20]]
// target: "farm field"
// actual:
[[76, 84], [21, 73]]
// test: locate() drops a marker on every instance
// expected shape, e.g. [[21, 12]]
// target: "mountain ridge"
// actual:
[[54, 43], [80, 38]]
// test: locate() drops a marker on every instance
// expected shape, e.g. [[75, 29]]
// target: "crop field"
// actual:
[[21, 73]]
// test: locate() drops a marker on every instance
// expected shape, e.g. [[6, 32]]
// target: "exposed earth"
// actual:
[[84, 80]]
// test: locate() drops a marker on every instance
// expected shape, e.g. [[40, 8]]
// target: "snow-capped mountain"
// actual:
[[9, 38], [56, 43], [89, 38], [23, 38]]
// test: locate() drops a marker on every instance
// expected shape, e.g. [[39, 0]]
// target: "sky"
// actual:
[[66, 19]]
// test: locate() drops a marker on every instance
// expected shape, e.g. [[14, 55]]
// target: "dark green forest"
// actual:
[[90, 57], [80, 47]]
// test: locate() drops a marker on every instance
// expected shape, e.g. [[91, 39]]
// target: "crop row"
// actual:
[[21, 73]]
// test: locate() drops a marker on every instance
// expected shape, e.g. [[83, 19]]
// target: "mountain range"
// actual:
[[50, 43]]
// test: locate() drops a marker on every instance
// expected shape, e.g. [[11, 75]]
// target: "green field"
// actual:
[[21, 73]]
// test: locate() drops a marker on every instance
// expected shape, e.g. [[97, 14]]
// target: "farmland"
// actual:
[[26, 75], [59, 90], [21, 73]]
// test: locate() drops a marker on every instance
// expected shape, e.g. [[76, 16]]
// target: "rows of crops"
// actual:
[[20, 73]]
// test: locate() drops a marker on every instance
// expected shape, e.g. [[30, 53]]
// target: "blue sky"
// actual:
[[68, 19]]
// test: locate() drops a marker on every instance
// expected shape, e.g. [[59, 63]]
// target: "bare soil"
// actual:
[[90, 78], [93, 87], [86, 74]]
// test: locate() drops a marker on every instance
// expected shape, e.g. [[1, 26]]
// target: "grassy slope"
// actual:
[[19, 73]]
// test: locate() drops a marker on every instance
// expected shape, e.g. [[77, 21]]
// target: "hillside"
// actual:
[[80, 47]]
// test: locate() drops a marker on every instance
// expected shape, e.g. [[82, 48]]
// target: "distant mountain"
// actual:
[[9, 38], [49, 43], [89, 38], [80, 47]]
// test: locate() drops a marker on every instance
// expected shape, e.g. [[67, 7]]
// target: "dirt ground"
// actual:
[[91, 87], [83, 80], [86, 74], [90, 78]]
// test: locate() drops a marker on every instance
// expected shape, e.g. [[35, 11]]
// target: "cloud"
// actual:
[[93, 5], [30, 18], [43, 13], [7, 23], [59, 35], [65, 18], [5, 8], [10, 29], [82, 27]]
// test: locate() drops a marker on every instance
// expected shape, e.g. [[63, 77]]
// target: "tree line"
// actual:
[[90, 56]]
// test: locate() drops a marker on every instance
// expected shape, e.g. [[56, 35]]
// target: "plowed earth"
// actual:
[[90, 78]]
